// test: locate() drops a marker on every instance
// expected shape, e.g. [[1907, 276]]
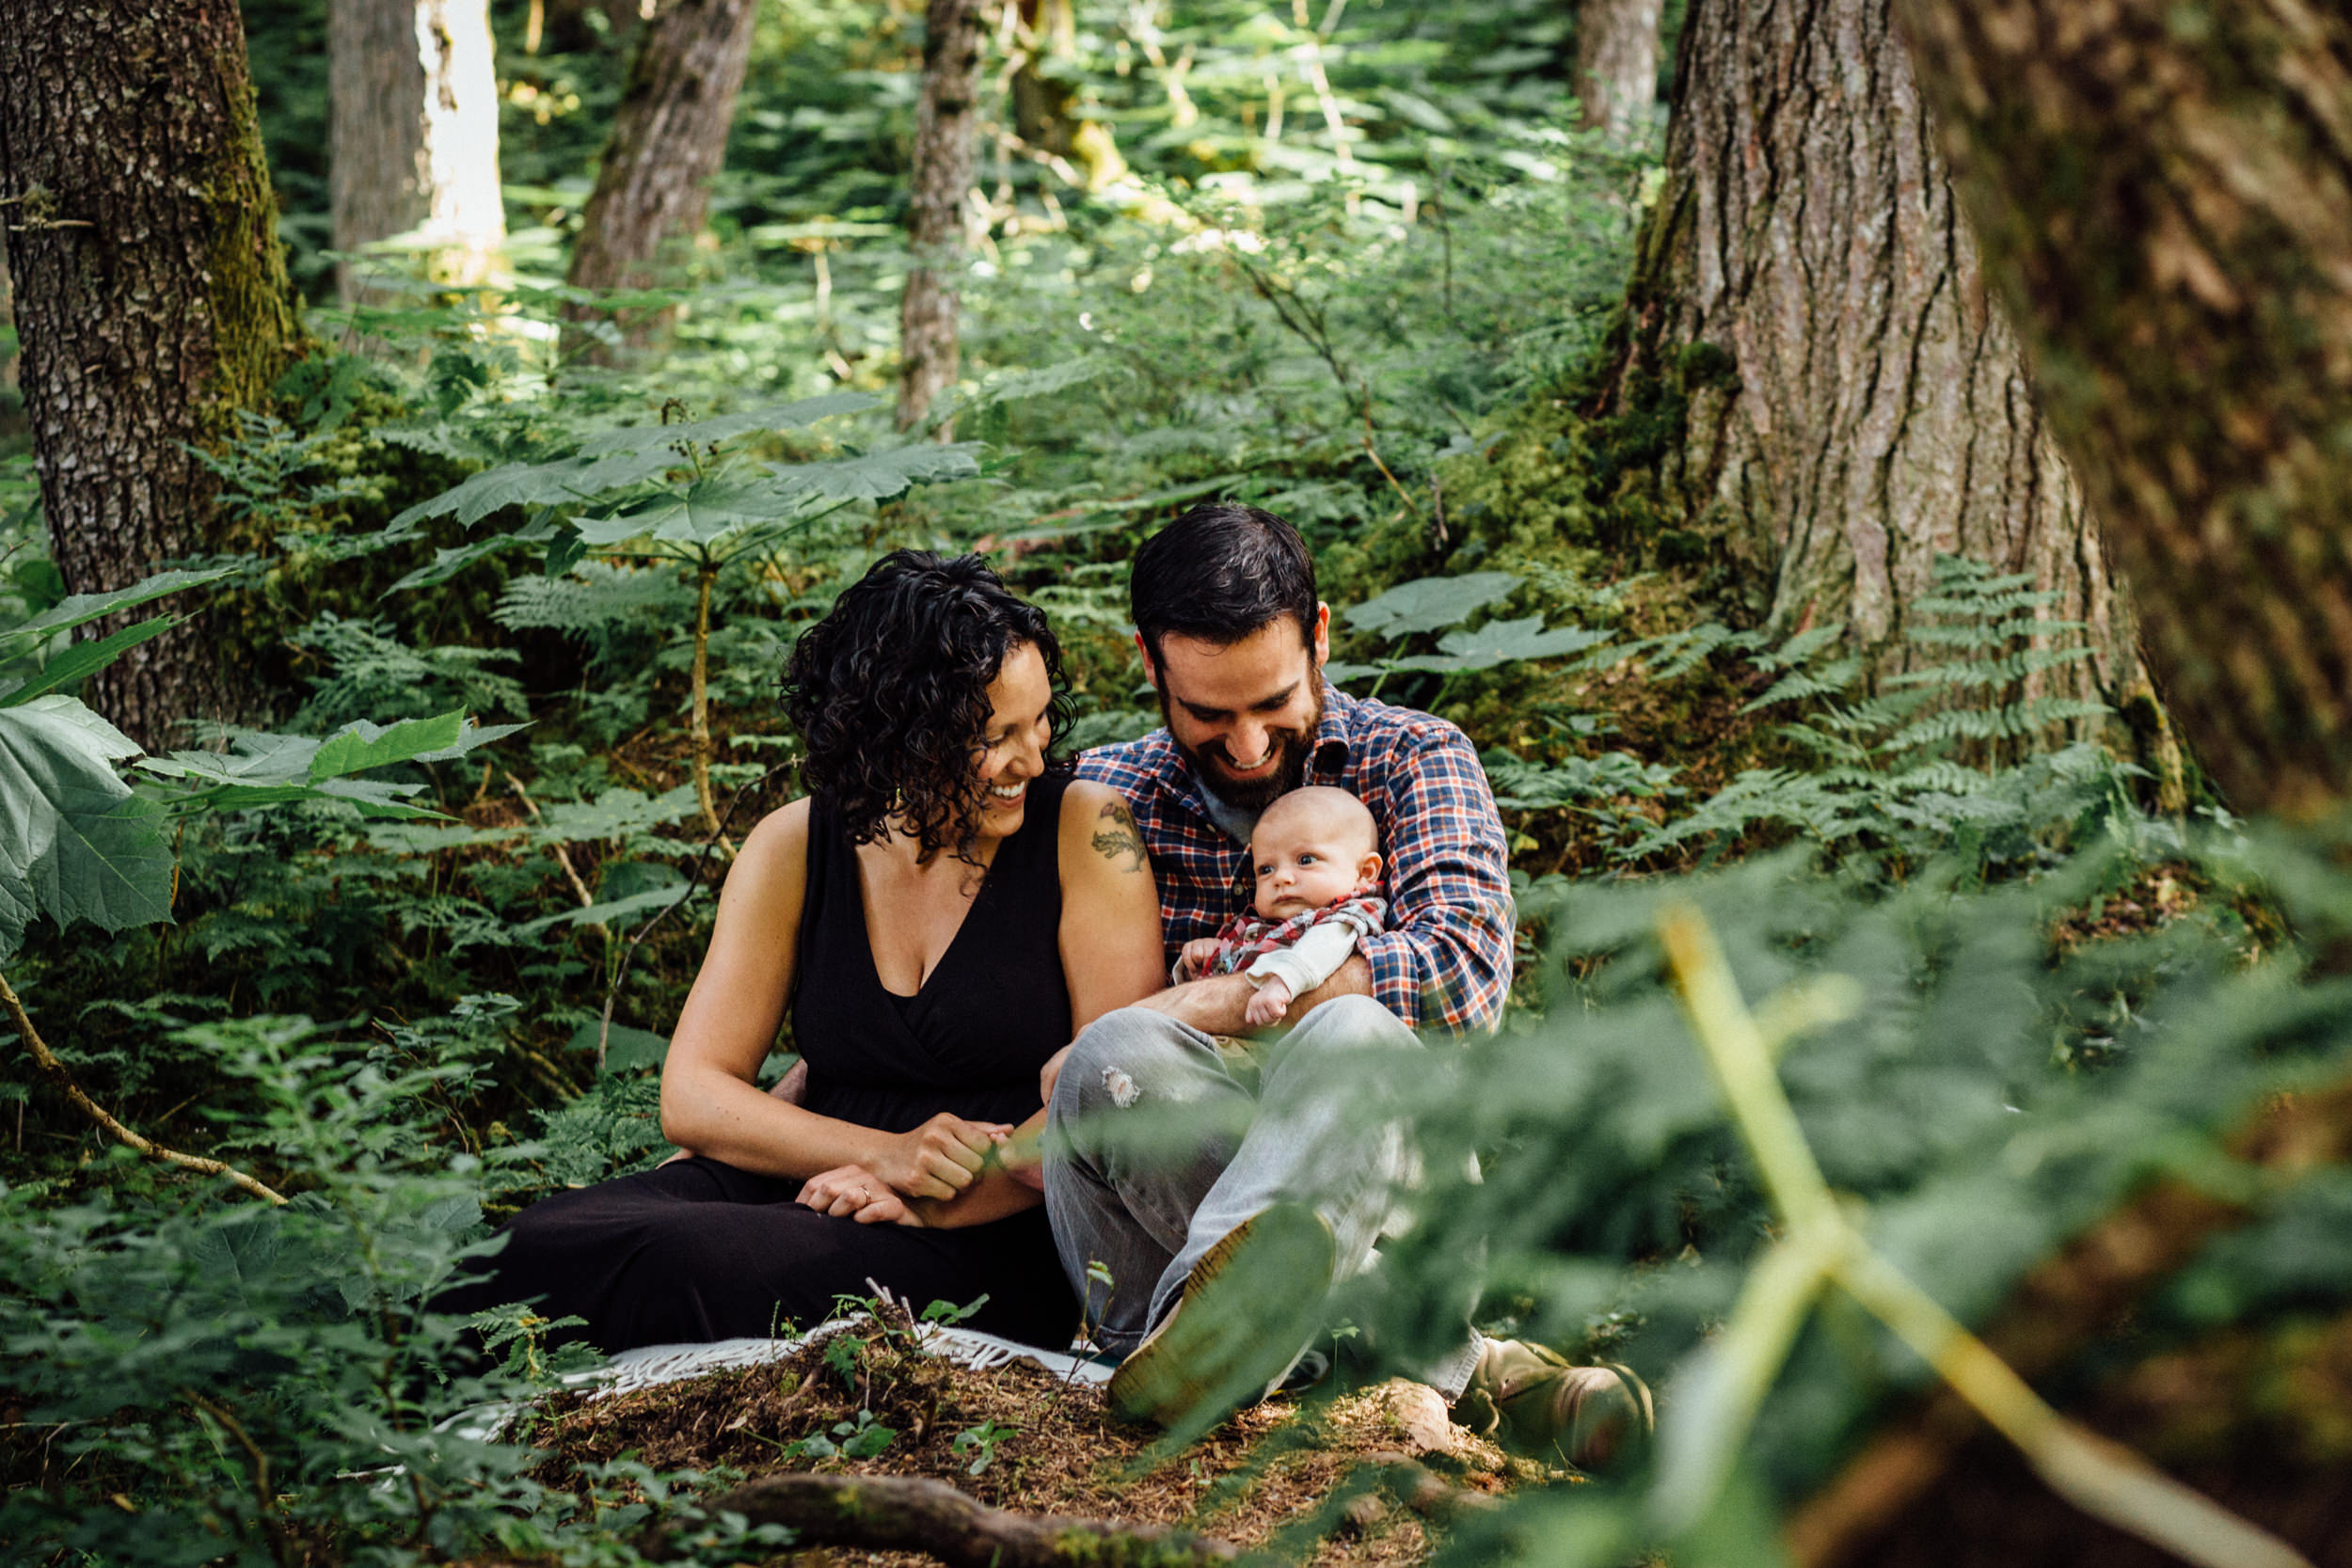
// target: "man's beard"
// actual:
[[1252, 795]]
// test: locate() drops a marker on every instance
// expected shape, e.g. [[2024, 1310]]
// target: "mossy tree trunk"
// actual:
[[2165, 194], [669, 137], [945, 123], [1807, 300], [1616, 65], [414, 137], [151, 299]]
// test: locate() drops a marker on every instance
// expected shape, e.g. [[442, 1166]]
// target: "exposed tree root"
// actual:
[[54, 1071], [906, 1513]]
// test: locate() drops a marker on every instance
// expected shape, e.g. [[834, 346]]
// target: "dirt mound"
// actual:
[[1353, 1470]]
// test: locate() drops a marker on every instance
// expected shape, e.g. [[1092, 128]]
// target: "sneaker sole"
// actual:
[[1250, 1305]]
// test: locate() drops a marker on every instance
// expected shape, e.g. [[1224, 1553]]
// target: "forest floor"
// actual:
[[1373, 1472]]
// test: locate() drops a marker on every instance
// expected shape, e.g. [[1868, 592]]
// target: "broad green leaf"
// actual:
[[612, 814], [879, 475], [81, 658], [75, 842], [605, 914], [566, 481], [359, 745], [625, 1049], [1430, 604], [82, 609], [448, 563], [1499, 642], [663, 438], [701, 515]]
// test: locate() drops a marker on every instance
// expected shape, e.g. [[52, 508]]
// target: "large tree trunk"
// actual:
[[669, 138], [1855, 403], [2166, 195], [1616, 65], [944, 124], [151, 297], [414, 136]]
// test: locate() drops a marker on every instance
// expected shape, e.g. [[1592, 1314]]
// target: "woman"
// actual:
[[941, 914]]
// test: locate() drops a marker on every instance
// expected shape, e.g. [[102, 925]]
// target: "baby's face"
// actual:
[[1305, 863]]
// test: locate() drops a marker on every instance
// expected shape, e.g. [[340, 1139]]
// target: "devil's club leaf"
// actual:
[[75, 842], [1430, 604]]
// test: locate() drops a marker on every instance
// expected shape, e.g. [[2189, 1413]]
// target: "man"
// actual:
[[1286, 1195]]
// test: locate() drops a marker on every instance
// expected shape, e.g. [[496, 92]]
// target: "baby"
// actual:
[[1317, 855]]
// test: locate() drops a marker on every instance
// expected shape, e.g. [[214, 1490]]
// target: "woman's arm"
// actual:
[[710, 1100], [1110, 910]]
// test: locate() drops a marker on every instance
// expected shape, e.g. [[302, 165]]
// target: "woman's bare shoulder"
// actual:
[[774, 856], [1095, 821]]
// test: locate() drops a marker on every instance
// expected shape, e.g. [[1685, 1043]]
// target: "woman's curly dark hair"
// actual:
[[890, 694]]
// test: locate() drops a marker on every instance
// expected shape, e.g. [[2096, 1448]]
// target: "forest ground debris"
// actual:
[[1063, 1453]]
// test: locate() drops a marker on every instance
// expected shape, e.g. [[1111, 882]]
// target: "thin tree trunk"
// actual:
[[2166, 194], [152, 301], [944, 124], [669, 138], [1808, 299], [1616, 65], [414, 137]]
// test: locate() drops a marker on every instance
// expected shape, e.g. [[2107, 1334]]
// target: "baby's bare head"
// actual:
[[1313, 847]]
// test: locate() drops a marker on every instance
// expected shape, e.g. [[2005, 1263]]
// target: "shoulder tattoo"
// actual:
[[1117, 839]]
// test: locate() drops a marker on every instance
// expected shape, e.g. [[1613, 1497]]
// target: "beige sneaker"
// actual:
[[1527, 1397], [1250, 1308]]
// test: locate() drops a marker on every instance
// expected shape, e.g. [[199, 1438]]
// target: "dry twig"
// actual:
[[54, 1071]]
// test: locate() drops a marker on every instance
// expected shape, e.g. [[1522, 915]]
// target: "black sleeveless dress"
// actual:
[[700, 1250]]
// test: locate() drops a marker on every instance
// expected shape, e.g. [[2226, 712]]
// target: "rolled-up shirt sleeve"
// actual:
[[1445, 962]]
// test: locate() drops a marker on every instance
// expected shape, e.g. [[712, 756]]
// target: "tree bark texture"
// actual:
[[414, 136], [152, 300], [1857, 403], [2166, 195], [669, 137], [1616, 65], [945, 120]]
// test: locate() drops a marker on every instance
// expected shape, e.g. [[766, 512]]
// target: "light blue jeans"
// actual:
[[1274, 1126]]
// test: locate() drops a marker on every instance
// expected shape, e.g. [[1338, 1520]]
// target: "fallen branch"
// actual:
[[2084, 1292], [54, 1071], [905, 1513]]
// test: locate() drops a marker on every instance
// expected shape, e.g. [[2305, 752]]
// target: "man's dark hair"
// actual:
[[890, 694], [1218, 573]]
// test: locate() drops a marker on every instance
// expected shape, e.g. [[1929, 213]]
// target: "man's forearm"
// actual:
[[1216, 1006]]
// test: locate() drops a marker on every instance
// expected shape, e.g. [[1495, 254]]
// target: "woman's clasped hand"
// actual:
[[936, 1161]]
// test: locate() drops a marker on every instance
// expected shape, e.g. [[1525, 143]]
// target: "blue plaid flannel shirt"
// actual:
[[1445, 962]]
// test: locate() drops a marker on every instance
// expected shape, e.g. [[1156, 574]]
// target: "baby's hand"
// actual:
[[1268, 1004], [1194, 958]]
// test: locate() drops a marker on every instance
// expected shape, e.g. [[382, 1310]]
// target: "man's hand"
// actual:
[[854, 1191], [1221, 1004], [792, 1088], [1271, 1002], [940, 1158], [1194, 958], [1050, 1074]]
